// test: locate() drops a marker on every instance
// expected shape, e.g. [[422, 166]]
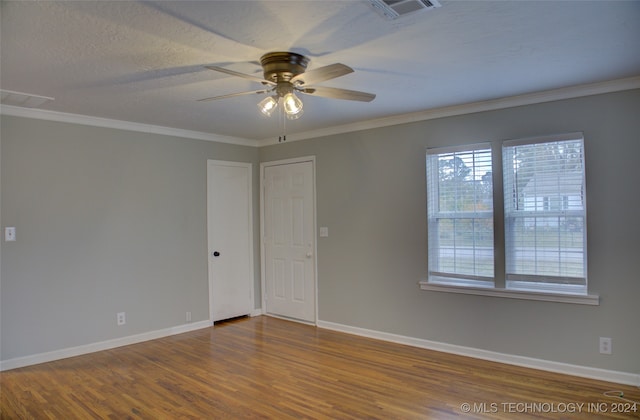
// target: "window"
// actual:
[[460, 216], [544, 243]]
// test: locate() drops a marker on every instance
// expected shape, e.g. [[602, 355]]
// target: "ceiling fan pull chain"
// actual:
[[280, 122], [283, 125]]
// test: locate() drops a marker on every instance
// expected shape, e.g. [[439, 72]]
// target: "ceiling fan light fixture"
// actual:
[[292, 105], [284, 74], [294, 116], [268, 105]]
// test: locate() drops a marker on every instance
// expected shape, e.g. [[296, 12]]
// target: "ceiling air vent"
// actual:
[[27, 100], [392, 9]]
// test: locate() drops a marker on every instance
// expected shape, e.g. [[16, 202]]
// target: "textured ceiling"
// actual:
[[144, 61]]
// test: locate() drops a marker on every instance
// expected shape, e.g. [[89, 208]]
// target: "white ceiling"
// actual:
[[144, 61]]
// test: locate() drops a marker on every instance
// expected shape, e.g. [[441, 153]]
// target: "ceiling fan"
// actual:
[[284, 75]]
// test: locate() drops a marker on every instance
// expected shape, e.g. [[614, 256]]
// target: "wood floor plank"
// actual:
[[269, 368]]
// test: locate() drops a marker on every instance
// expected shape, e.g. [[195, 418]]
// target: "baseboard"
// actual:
[[565, 368], [99, 346], [557, 367], [256, 312]]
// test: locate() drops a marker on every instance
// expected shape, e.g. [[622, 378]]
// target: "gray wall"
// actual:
[[371, 195], [110, 221], [107, 221]]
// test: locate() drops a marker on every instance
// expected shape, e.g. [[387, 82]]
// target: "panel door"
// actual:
[[289, 241], [230, 239]]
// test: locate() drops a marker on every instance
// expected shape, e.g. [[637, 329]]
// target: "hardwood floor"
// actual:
[[270, 368]]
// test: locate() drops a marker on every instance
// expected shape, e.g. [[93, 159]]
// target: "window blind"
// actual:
[[460, 215], [545, 231]]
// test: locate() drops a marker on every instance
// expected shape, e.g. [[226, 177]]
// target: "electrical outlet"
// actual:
[[122, 318], [9, 234], [605, 345], [188, 316]]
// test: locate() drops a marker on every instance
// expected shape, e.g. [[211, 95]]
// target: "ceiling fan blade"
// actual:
[[243, 75], [231, 95], [336, 93], [321, 74]]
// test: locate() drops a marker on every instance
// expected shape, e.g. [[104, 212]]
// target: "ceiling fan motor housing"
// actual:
[[283, 66], [285, 74]]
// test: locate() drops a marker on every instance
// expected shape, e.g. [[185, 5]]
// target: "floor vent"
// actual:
[[393, 9]]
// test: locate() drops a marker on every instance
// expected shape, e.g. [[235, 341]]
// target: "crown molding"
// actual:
[[570, 92], [43, 114]]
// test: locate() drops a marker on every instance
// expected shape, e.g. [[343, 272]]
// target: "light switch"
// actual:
[[9, 234], [324, 232]]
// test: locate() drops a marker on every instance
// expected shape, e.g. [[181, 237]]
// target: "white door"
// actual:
[[289, 240], [230, 235]]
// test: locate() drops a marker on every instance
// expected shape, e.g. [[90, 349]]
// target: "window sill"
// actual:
[[512, 294]]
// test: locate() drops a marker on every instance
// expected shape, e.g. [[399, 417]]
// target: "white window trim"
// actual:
[[430, 285], [512, 294]]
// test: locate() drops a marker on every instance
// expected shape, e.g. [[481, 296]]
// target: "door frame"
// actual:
[[249, 167], [263, 166]]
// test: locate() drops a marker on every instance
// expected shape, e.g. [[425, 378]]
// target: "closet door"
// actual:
[[230, 231]]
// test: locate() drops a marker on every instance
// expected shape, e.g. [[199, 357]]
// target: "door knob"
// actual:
[[215, 253], [309, 255]]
